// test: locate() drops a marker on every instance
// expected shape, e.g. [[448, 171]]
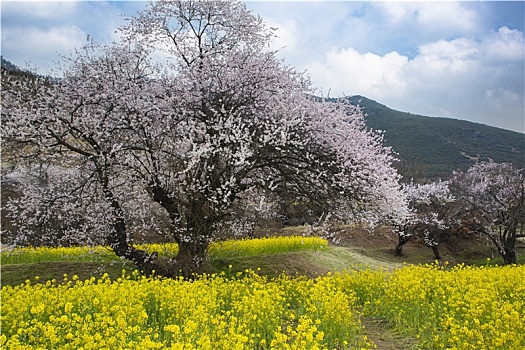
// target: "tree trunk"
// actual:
[[505, 241], [507, 235], [191, 257], [403, 239], [145, 262], [435, 249], [118, 241], [509, 256], [508, 251], [193, 241]]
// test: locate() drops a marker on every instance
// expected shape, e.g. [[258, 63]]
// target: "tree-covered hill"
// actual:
[[10, 69], [8, 65], [431, 148]]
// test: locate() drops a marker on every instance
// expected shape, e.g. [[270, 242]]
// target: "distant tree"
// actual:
[[193, 112], [493, 195], [62, 206], [434, 215], [410, 171]]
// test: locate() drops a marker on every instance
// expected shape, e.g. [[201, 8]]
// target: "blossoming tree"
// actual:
[[434, 214], [192, 113], [493, 195]]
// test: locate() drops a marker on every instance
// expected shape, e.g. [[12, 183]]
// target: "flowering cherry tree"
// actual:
[[43, 213], [80, 128], [434, 214], [191, 113], [493, 195]]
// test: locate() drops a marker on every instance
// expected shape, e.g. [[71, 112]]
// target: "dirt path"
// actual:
[[385, 338], [340, 258], [373, 263]]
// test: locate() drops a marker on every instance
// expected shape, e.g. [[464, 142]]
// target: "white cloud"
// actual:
[[395, 12], [41, 47], [448, 16], [454, 55], [432, 17], [457, 78], [479, 80], [306, 31], [286, 36], [346, 71], [502, 97], [40, 9], [505, 44], [57, 39]]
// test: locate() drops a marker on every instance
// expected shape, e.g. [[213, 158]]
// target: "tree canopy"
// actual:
[[493, 198], [187, 116]]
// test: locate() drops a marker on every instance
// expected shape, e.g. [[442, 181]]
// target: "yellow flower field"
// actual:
[[212, 312], [443, 307], [258, 246], [462, 308]]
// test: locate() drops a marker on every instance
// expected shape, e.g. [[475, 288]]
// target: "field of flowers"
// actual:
[[459, 308], [443, 307], [213, 312], [223, 249]]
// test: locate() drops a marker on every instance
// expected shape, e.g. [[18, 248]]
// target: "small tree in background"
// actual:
[[434, 215], [493, 196], [192, 112]]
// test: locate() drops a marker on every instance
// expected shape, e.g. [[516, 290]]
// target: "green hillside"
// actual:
[[431, 148]]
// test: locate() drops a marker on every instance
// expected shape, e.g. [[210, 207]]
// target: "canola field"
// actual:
[[222, 249], [441, 307]]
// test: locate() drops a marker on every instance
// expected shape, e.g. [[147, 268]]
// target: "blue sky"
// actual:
[[462, 60]]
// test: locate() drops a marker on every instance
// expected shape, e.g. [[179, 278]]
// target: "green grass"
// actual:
[[496, 261], [270, 256], [307, 262], [310, 263]]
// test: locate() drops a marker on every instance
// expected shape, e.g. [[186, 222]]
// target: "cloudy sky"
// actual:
[[462, 60]]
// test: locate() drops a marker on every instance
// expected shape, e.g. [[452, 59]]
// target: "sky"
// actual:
[[462, 60]]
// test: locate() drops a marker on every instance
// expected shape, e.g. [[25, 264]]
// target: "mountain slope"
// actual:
[[431, 148]]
